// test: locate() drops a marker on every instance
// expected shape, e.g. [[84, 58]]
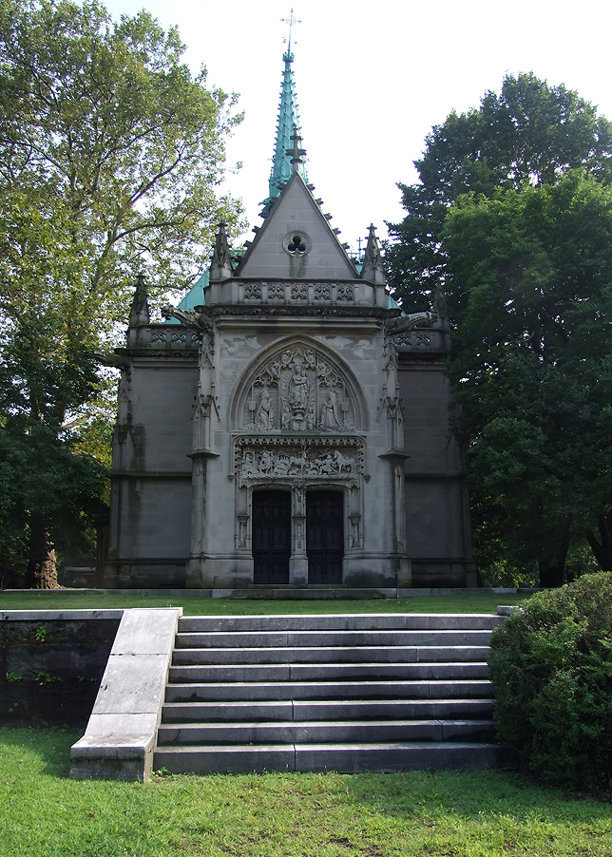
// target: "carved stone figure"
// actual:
[[248, 464], [124, 412], [330, 412], [264, 417], [266, 461], [296, 397], [298, 388]]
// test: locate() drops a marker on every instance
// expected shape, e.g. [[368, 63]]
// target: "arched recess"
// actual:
[[299, 385]]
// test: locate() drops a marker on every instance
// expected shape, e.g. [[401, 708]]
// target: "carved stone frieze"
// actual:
[[419, 340], [306, 460], [253, 292], [301, 292], [170, 336]]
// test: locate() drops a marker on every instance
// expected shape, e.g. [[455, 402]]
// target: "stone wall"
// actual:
[[51, 663]]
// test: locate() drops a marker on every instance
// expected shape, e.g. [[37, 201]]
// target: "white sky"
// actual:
[[373, 78]]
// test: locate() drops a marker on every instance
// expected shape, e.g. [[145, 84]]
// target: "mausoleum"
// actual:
[[288, 425]]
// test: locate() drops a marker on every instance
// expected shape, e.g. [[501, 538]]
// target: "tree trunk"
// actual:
[[552, 568], [551, 572], [42, 570], [602, 548]]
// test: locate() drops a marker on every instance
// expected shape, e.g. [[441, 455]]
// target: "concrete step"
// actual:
[[338, 709], [328, 654], [325, 732], [310, 638], [341, 622], [192, 674], [344, 758], [363, 692], [372, 689]]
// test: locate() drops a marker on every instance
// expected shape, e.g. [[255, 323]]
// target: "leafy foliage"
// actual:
[[110, 157], [551, 666], [529, 134], [534, 366], [512, 218]]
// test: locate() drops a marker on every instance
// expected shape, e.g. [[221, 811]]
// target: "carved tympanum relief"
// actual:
[[298, 390]]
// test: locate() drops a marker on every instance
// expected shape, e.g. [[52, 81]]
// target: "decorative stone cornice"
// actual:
[[300, 311]]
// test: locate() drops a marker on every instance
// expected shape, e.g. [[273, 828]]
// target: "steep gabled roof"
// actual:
[[296, 240]]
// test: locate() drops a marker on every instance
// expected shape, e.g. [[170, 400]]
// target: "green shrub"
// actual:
[[551, 667]]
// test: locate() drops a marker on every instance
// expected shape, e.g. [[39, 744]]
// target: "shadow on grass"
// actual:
[[470, 795], [50, 745]]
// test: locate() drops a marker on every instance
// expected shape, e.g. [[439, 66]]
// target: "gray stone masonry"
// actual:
[[51, 663], [295, 386]]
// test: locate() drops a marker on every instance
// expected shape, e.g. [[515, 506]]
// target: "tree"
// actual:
[[529, 309], [110, 157], [533, 366], [529, 134]]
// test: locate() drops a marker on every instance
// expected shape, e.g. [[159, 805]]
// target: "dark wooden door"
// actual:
[[271, 536], [324, 536]]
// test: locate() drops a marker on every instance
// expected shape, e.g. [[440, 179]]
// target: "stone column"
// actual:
[[205, 404], [196, 570], [298, 563], [396, 516]]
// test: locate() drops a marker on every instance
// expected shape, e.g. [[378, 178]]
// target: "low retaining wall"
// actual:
[[51, 663]]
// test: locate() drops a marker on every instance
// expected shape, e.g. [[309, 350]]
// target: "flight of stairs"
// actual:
[[315, 693]]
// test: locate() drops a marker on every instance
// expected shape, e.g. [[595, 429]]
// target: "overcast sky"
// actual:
[[373, 78]]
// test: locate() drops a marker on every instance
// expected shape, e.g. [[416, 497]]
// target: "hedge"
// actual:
[[551, 667]]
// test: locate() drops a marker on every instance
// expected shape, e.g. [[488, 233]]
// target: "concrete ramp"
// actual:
[[121, 733]]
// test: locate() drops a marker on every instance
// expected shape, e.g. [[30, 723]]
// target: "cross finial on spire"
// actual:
[[291, 20], [296, 152]]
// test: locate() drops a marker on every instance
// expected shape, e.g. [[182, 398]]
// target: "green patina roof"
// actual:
[[288, 121], [194, 297]]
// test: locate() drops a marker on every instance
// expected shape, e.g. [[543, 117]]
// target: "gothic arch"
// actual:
[[299, 385]]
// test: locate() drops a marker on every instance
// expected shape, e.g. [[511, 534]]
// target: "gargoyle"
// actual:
[[188, 317], [109, 359], [403, 323]]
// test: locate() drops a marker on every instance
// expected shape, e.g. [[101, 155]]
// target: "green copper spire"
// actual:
[[288, 122]]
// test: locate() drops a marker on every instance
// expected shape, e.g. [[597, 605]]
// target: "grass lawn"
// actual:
[[481, 602], [421, 814]]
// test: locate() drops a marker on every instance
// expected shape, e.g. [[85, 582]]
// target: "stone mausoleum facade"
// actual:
[[288, 425]]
